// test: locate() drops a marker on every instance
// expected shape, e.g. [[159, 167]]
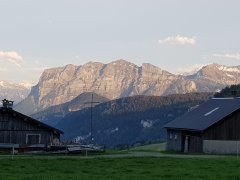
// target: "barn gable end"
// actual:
[[20, 130]]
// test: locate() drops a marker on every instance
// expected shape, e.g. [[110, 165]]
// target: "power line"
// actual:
[[91, 116]]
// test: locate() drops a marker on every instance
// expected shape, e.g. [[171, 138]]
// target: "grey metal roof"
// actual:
[[206, 114]]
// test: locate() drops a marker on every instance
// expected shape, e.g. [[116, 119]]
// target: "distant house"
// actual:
[[213, 127], [21, 131]]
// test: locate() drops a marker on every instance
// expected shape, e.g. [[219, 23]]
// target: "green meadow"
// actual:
[[158, 147], [128, 168]]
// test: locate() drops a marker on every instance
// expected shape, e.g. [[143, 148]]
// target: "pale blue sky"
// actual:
[[171, 34]]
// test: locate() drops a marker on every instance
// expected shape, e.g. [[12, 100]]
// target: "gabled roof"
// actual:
[[31, 120], [206, 114]]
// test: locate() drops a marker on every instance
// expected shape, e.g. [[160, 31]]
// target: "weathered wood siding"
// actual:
[[20, 130], [227, 129], [195, 141], [224, 132], [195, 144], [174, 140]]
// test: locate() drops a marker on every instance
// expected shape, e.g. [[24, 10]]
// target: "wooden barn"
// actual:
[[213, 127], [20, 131]]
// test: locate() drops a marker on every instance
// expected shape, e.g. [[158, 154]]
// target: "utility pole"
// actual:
[[91, 116]]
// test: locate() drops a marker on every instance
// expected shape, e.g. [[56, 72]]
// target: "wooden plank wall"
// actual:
[[196, 144], [227, 129], [195, 141], [14, 129], [174, 140]]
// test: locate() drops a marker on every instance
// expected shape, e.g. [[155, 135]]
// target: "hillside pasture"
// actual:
[[150, 147]]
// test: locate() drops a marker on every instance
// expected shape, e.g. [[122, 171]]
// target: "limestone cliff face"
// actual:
[[114, 80]]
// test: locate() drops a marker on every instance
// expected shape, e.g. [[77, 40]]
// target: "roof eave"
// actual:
[[185, 129]]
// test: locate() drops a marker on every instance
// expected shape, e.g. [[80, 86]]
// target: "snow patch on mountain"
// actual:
[[12, 91], [190, 70], [229, 75], [27, 85], [2, 83], [229, 69]]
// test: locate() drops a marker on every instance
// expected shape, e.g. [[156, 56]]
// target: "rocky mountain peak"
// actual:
[[121, 62], [121, 78], [150, 66], [222, 68], [92, 64], [154, 69], [13, 91], [219, 74]]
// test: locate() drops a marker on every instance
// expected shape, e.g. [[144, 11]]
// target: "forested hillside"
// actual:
[[229, 91], [129, 120]]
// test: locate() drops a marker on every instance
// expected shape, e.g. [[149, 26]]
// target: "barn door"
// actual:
[[186, 144]]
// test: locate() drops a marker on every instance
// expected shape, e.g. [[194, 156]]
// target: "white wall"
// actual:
[[221, 147]]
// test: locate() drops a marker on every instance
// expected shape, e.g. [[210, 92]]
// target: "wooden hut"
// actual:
[[20, 131], [213, 127]]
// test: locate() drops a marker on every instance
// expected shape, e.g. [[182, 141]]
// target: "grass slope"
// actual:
[[57, 167], [151, 147]]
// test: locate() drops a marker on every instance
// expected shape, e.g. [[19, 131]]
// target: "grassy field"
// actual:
[[151, 147], [74, 167]]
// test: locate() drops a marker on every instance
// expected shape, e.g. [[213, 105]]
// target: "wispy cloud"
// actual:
[[3, 69], [12, 57], [228, 56], [180, 40]]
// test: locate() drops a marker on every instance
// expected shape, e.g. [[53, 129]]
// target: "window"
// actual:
[[175, 137], [170, 136], [33, 139]]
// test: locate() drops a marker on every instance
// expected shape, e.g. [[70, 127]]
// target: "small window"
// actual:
[[33, 139], [170, 136], [175, 137]]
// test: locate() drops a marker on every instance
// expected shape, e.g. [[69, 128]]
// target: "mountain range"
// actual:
[[132, 103], [121, 79], [13, 91]]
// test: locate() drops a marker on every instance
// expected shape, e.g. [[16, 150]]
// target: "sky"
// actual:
[[175, 35]]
